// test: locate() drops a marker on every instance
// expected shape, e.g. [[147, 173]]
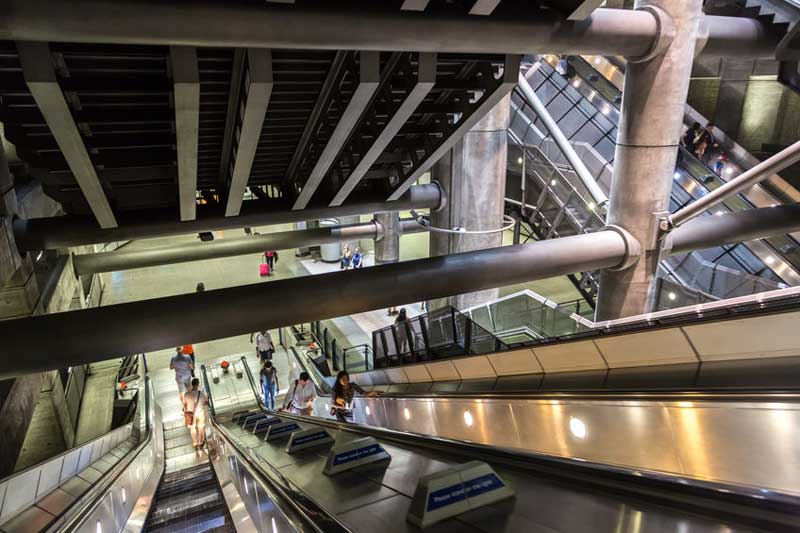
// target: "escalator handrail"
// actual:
[[272, 486], [83, 507]]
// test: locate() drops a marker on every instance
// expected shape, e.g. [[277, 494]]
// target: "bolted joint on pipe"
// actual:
[[442, 197], [665, 33], [633, 249]]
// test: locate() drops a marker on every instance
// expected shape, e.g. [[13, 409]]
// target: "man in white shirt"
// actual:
[[301, 396], [182, 365], [264, 345]]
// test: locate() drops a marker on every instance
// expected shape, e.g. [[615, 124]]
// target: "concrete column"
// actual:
[[387, 249], [650, 126], [473, 175], [734, 80]]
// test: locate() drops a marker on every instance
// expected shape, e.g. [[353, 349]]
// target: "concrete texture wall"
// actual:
[[15, 418]]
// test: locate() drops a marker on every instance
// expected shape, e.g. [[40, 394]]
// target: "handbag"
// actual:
[[188, 416]]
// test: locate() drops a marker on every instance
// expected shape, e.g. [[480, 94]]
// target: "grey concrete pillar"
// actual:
[[387, 249], [652, 115], [473, 174], [734, 80]]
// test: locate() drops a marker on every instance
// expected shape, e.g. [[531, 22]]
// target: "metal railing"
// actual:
[[438, 334]]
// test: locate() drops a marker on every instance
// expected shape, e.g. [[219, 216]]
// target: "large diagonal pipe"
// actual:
[[362, 26], [61, 232], [562, 142], [199, 251], [77, 337]]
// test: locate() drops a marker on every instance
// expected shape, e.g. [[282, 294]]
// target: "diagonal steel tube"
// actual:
[[765, 169], [95, 334]]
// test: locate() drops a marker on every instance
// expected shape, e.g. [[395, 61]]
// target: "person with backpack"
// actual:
[[301, 396], [264, 345], [183, 367], [195, 403], [402, 333], [269, 384], [343, 393]]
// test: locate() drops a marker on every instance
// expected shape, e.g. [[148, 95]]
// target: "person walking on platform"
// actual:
[[195, 403], [264, 345], [183, 366], [300, 400], [271, 257], [343, 393], [269, 384]]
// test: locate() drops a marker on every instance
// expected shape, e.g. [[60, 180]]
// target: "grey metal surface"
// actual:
[[259, 89], [757, 223], [606, 32], [43, 84], [186, 81], [645, 155], [196, 251], [59, 232], [377, 498], [369, 78], [144, 326], [387, 248], [772, 165]]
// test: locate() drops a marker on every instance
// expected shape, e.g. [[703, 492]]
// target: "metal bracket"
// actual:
[[665, 33], [633, 250]]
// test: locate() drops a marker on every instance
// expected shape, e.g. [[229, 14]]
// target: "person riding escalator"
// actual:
[[344, 391]]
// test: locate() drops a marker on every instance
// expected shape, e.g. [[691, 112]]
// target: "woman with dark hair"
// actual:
[[343, 393]]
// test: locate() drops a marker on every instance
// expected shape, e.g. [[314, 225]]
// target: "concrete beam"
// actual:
[[259, 85], [186, 79], [369, 78], [426, 78], [41, 79], [507, 84], [414, 5], [145, 326], [231, 113]]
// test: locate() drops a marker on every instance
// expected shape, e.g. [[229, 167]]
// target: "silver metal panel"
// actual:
[[425, 80], [30, 520], [43, 85], [186, 77], [369, 79], [258, 83], [510, 75], [48, 478]]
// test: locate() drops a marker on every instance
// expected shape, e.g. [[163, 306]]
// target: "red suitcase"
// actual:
[[263, 269]]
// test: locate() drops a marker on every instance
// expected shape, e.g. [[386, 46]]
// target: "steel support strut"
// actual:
[[361, 26], [95, 334], [199, 251], [60, 232]]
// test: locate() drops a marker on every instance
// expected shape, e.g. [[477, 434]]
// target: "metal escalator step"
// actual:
[[186, 505], [211, 522], [186, 473], [177, 487]]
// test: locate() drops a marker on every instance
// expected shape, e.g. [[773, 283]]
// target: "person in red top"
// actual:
[[272, 258], [188, 349]]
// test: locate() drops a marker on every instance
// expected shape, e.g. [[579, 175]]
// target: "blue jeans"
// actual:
[[269, 395]]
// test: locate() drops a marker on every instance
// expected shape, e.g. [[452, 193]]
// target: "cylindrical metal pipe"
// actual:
[[740, 37], [562, 142], [786, 157], [387, 248], [61, 232], [59, 340], [729, 228], [365, 26], [199, 251]]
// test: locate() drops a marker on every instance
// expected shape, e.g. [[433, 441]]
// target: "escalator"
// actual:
[[189, 497], [557, 206], [576, 489]]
